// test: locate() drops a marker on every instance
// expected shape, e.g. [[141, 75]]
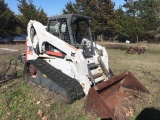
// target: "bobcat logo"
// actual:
[[73, 54]]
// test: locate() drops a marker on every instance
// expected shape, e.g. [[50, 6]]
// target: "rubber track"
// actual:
[[73, 88]]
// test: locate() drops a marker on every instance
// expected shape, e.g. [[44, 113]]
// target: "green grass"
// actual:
[[19, 100]]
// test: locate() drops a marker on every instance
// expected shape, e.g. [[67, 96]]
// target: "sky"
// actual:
[[51, 7]]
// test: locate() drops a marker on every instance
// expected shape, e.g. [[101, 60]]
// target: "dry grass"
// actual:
[[8, 52], [19, 101], [145, 67], [22, 101]]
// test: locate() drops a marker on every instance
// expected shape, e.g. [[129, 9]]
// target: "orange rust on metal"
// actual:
[[139, 50], [32, 70], [103, 103]]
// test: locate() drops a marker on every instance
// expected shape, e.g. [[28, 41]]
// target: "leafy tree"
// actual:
[[121, 20], [134, 25], [106, 17], [3, 6], [156, 31], [142, 17], [8, 20], [128, 27], [139, 20], [146, 10], [70, 8], [101, 11], [30, 12]]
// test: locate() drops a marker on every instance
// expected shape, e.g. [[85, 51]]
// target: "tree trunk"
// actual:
[[101, 37], [137, 39], [115, 38]]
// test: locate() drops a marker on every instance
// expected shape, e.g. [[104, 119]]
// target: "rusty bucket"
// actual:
[[106, 102]]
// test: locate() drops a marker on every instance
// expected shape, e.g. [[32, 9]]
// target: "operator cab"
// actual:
[[74, 30]]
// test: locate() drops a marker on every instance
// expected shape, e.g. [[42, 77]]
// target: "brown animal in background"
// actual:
[[133, 50]]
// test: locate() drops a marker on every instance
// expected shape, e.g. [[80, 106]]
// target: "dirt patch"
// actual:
[[12, 49]]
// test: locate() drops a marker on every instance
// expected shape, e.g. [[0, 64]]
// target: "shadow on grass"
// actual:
[[149, 114]]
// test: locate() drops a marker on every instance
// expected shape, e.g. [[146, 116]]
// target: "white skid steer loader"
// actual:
[[64, 59]]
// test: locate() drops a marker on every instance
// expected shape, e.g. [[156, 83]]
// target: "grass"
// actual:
[[145, 67], [22, 101]]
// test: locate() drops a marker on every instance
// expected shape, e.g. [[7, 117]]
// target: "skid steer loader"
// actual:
[[64, 58]]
